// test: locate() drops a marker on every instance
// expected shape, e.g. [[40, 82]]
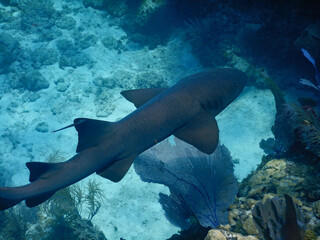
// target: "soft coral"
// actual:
[[205, 184]]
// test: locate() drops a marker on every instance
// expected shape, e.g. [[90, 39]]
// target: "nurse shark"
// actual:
[[186, 110]]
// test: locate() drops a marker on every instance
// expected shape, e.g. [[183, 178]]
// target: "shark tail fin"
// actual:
[[12, 196]]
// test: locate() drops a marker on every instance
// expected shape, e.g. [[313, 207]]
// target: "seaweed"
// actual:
[[93, 198], [77, 192], [84, 230], [68, 203], [14, 222], [63, 213]]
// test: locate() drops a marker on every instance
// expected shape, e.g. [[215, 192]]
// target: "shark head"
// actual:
[[222, 87], [233, 83]]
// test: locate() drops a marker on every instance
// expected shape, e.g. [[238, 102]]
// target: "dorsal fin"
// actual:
[[37, 169], [118, 170], [201, 132], [90, 132], [140, 96]]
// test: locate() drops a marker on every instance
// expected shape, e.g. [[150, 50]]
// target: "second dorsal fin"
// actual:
[[201, 132], [91, 131], [140, 96], [38, 168]]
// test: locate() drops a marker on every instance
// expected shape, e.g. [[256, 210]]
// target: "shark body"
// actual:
[[186, 110]]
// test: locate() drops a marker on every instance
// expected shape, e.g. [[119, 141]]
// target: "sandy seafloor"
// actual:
[[131, 209]]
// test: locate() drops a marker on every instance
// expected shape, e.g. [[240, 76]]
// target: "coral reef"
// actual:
[[31, 80], [14, 223], [279, 219], [61, 85], [43, 56], [310, 235], [205, 183], [9, 51], [226, 235], [273, 178], [306, 123], [42, 127], [70, 53]]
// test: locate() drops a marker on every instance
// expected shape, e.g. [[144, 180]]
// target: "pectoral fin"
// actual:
[[201, 132], [116, 171], [140, 96]]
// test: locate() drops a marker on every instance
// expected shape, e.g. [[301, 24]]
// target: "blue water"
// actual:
[[64, 59]]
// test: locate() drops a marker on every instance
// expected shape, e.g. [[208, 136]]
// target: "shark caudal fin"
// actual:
[[10, 196]]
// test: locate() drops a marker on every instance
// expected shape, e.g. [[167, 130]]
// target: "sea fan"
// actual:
[[201, 185]]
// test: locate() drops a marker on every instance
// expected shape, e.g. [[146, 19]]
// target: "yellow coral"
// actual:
[[310, 235]]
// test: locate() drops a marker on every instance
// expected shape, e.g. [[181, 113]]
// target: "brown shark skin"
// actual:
[[151, 123]]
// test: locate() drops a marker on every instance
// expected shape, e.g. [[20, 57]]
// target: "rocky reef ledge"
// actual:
[[274, 178]]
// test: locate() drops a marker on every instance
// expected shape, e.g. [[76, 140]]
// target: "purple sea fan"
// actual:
[[206, 183]]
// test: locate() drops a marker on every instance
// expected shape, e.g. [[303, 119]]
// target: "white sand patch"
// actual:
[[131, 210], [243, 124]]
